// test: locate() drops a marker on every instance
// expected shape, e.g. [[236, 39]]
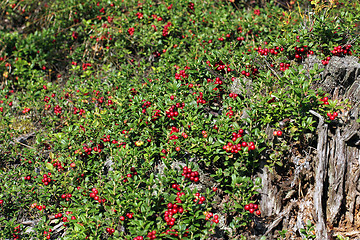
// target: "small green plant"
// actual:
[[309, 231], [340, 237]]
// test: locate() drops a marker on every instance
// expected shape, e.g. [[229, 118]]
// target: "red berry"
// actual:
[[251, 210], [279, 133], [258, 212]]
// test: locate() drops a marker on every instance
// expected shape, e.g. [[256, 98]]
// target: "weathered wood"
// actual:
[[270, 201], [280, 217], [320, 174], [336, 175]]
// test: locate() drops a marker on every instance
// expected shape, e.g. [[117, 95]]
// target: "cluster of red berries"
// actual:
[[131, 31], [218, 81], [101, 100], [200, 99], [235, 148], [78, 110], [277, 133], [332, 116], [133, 91], [94, 194], [204, 133], [156, 115], [230, 113], [172, 112], [58, 215], [75, 35], [342, 50], [130, 175], [152, 235], [181, 75], [191, 6], [57, 109], [110, 231], [178, 194], [220, 66], [109, 102], [264, 52], [145, 105], [139, 238], [88, 150], [85, 66], [47, 106], [172, 209], [107, 139], [326, 61], [47, 233], [254, 71], [46, 179], [25, 110], [300, 52], [28, 178], [253, 208], [324, 100], [66, 196], [191, 175], [199, 199], [233, 95], [139, 15], [172, 135], [284, 66], [39, 207], [129, 215], [58, 165], [156, 54], [16, 233], [165, 32], [245, 73], [210, 215]]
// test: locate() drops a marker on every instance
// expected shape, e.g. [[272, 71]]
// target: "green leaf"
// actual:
[[49, 166]]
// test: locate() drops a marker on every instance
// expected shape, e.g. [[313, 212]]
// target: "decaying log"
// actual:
[[336, 174], [320, 174], [280, 217], [270, 202]]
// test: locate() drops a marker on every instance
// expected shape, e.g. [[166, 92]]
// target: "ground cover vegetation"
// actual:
[[148, 119]]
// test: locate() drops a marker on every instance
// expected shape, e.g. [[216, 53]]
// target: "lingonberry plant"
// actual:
[[147, 119]]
